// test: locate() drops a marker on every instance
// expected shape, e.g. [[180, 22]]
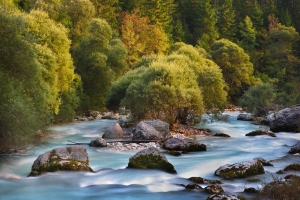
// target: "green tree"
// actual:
[[226, 20], [259, 99], [99, 59], [247, 35], [161, 90], [236, 67]]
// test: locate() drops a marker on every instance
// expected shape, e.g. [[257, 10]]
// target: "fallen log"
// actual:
[[123, 141]]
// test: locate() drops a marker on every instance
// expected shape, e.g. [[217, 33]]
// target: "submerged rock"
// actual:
[[213, 189], [193, 186], [73, 158], [261, 132], [151, 158], [221, 135], [204, 181], [99, 142], [295, 148], [294, 166], [113, 131], [145, 131], [241, 169], [181, 145], [287, 119]]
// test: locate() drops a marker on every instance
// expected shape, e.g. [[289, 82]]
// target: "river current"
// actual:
[[113, 181]]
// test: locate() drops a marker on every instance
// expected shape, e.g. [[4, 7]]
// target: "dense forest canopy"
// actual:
[[60, 58]]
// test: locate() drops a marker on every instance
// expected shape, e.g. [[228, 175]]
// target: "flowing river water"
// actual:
[[113, 181]]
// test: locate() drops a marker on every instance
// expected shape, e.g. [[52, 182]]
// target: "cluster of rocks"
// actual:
[[120, 146], [96, 115]]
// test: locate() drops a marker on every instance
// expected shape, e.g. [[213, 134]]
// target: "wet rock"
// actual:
[[240, 170], [295, 167], [74, 158], [251, 190], [291, 176], [151, 158], [181, 145], [192, 186], [113, 131], [287, 119], [245, 117], [174, 153], [160, 126], [119, 146], [99, 142], [204, 181], [222, 197], [213, 189], [145, 131], [295, 148], [261, 132], [221, 135], [263, 161]]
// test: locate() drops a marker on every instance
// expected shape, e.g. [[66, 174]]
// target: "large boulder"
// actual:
[[245, 117], [160, 126], [295, 148], [241, 169], [151, 158], [287, 119], [145, 131], [99, 142], [74, 158], [113, 131], [181, 145]]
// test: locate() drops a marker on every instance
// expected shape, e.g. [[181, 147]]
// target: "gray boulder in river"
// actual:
[[74, 158], [295, 148], [144, 131], [287, 119], [241, 169], [245, 117], [160, 126], [181, 145], [99, 142], [113, 131], [222, 197], [151, 158]]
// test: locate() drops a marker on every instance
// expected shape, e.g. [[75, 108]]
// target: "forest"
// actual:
[[162, 59]]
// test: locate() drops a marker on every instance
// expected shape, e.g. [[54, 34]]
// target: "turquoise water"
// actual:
[[113, 181]]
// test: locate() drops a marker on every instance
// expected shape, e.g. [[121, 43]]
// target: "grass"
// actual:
[[280, 189]]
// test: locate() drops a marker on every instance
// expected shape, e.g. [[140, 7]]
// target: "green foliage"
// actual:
[[99, 60], [258, 98], [247, 35], [236, 67], [226, 20]]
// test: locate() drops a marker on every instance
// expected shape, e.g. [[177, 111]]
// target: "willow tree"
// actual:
[[236, 67], [161, 91]]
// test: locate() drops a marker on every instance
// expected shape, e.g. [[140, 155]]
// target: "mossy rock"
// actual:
[[73, 158], [261, 132], [196, 147], [240, 170], [295, 167], [193, 186], [151, 158]]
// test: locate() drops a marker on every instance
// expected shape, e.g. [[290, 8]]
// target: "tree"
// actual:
[[99, 59], [161, 90], [141, 38], [259, 99], [236, 67], [247, 35], [226, 20]]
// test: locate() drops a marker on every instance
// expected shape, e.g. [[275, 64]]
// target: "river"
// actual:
[[113, 181]]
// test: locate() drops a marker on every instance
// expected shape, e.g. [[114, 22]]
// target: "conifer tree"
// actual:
[[226, 20]]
